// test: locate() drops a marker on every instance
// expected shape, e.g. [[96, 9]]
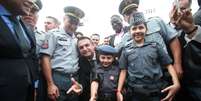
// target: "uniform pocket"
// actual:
[[132, 57]]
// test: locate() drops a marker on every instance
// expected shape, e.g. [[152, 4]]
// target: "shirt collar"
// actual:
[[4, 11]]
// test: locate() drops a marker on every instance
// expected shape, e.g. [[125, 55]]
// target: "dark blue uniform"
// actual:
[[144, 70], [108, 80]]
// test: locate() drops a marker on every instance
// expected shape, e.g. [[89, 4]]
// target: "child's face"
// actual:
[[106, 60], [138, 32]]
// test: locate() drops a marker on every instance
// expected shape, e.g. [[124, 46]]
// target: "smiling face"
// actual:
[[86, 48], [138, 32], [117, 26], [106, 60]]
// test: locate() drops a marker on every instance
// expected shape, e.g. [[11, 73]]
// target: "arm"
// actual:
[[122, 78], [176, 52], [53, 91], [170, 37], [172, 89], [94, 89]]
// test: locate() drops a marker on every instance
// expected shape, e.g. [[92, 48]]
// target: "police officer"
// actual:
[[143, 61], [59, 58], [106, 74], [31, 21], [158, 31]]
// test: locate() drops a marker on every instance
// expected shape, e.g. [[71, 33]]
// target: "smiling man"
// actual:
[[86, 64]]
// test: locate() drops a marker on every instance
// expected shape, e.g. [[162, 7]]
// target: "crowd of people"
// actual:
[[149, 60]]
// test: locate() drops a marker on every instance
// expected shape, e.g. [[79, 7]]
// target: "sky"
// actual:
[[98, 12]]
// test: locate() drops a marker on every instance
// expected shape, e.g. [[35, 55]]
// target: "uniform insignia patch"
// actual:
[[45, 44], [112, 77]]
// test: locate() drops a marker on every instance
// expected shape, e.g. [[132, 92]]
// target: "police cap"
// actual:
[[126, 5], [137, 18], [74, 12], [38, 4], [106, 50]]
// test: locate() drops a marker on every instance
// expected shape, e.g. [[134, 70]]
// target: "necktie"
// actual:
[[20, 34]]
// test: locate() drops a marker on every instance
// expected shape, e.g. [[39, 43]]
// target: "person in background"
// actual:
[[106, 74], [106, 40], [59, 58], [17, 54], [117, 25], [51, 23], [87, 61], [95, 39], [190, 38], [31, 21], [143, 61], [197, 15]]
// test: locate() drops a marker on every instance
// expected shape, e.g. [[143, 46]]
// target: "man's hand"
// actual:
[[76, 87], [93, 98], [182, 19], [53, 92], [119, 96], [172, 90]]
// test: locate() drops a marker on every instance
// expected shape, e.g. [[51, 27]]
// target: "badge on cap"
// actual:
[[45, 44]]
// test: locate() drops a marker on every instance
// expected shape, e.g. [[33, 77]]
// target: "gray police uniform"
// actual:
[[158, 32], [108, 81], [40, 37], [62, 49], [144, 69]]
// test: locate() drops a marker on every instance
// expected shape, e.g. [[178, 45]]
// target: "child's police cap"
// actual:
[[74, 12], [106, 50], [126, 5], [38, 4], [137, 18]]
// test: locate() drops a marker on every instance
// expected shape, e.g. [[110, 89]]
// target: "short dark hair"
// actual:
[[54, 19], [83, 38], [95, 34]]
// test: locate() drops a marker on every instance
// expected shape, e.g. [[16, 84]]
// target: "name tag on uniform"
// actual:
[[63, 42]]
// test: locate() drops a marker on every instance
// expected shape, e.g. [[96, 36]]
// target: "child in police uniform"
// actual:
[[143, 61], [106, 74]]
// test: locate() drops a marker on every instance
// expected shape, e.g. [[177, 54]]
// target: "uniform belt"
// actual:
[[145, 90], [68, 74], [106, 96]]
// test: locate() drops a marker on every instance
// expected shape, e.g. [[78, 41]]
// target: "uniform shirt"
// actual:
[[144, 63], [62, 49], [107, 78], [40, 37], [158, 32]]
